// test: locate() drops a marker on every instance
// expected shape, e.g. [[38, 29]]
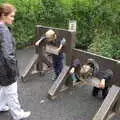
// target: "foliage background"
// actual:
[[98, 22]]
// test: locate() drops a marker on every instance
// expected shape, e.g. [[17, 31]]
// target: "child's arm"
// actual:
[[39, 41], [102, 83], [63, 41], [72, 70], [60, 47], [75, 64]]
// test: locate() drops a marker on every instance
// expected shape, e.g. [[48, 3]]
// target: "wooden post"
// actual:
[[39, 51], [69, 45]]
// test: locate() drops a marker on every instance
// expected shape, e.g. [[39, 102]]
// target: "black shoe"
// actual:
[[95, 91], [104, 92]]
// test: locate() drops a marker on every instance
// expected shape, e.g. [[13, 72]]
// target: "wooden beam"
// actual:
[[29, 66], [108, 104], [59, 82]]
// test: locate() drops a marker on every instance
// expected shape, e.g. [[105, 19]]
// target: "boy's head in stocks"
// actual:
[[89, 69]]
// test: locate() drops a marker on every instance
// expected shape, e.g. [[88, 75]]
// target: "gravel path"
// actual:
[[76, 104]]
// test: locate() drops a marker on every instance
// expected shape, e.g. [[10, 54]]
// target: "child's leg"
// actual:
[[58, 66], [55, 67], [73, 77], [104, 92], [95, 91]]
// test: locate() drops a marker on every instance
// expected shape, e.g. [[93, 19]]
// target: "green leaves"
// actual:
[[98, 22]]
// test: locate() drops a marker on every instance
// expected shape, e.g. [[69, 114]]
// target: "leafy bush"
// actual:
[[85, 31], [98, 22], [106, 18], [102, 45]]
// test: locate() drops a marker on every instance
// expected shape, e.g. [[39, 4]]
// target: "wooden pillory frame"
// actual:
[[111, 105]]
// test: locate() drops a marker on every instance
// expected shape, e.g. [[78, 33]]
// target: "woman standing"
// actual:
[[8, 66]]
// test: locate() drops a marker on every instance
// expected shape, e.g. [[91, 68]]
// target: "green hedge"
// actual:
[[98, 22]]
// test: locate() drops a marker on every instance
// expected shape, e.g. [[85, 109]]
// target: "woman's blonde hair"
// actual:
[[6, 9]]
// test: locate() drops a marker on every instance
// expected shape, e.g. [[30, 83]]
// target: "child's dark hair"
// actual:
[[93, 64]]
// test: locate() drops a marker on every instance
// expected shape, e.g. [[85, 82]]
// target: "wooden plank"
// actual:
[[91, 81], [46, 61], [108, 104], [39, 65], [52, 49], [59, 82], [29, 66]]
